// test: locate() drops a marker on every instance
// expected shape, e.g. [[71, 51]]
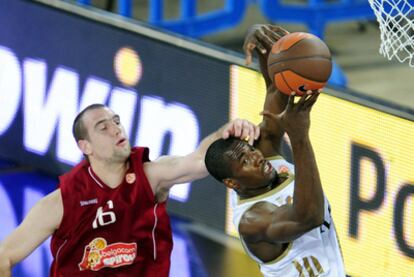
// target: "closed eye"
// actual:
[[102, 127], [117, 119]]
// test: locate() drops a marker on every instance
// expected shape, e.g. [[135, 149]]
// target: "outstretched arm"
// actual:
[[167, 171], [260, 38], [267, 222], [42, 220]]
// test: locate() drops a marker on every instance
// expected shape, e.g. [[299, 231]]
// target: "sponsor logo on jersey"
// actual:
[[130, 178], [88, 202], [98, 254], [283, 169]]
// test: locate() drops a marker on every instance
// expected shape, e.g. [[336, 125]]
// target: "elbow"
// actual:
[[312, 218], [310, 223], [318, 220], [315, 220]]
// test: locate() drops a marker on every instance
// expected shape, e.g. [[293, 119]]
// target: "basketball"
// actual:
[[299, 62]]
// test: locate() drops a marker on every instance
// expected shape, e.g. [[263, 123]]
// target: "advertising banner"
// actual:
[[168, 98]]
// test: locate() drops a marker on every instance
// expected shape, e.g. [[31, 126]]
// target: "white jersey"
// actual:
[[315, 253]]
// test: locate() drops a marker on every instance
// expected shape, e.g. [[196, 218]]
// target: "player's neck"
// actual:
[[252, 192], [112, 174]]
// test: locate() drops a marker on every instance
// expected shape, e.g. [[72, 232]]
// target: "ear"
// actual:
[[231, 183], [85, 146]]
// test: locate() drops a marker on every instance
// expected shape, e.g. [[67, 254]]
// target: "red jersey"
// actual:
[[111, 232]]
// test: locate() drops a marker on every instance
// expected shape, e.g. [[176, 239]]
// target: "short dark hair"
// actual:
[[217, 163], [78, 128]]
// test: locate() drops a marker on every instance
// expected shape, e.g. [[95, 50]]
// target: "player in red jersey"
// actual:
[[108, 216]]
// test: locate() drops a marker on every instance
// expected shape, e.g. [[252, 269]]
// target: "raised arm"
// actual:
[[260, 39], [167, 171], [267, 222], [42, 220]]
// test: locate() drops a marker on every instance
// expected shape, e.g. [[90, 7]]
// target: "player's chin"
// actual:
[[123, 152], [271, 174]]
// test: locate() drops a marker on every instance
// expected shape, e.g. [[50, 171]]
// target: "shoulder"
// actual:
[[53, 199], [140, 161], [140, 154], [255, 221], [77, 172], [76, 181]]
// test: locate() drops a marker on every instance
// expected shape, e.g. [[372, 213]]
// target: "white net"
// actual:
[[396, 23]]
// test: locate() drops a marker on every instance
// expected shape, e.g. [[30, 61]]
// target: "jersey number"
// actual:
[[306, 267], [104, 218]]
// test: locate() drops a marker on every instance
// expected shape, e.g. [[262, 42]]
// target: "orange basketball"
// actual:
[[299, 62]]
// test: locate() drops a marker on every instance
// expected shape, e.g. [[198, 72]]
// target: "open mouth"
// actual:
[[267, 167], [121, 142]]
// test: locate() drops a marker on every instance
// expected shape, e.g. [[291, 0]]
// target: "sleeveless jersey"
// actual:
[[315, 253], [111, 232]]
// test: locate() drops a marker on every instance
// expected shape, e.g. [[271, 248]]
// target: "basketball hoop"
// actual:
[[396, 23]]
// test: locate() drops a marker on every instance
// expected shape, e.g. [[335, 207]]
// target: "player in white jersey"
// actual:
[[280, 211]]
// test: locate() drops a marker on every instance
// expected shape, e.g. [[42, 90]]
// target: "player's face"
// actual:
[[106, 136], [250, 169]]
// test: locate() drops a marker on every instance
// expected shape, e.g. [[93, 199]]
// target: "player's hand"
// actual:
[[242, 129], [295, 119], [261, 37]]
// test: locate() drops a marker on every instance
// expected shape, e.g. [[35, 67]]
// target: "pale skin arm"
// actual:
[[42, 220], [266, 222], [167, 171]]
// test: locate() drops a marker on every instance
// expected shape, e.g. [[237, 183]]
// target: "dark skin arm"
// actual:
[[260, 39], [265, 225]]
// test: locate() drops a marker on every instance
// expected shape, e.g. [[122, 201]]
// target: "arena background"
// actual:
[[171, 92]]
